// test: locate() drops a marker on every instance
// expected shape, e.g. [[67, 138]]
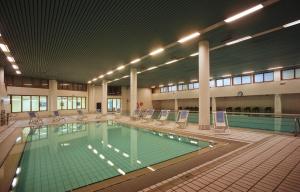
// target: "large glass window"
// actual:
[[264, 77], [237, 80], [246, 79], [83, 102], [220, 83], [288, 74], [74, 103], [70, 103], [259, 78], [16, 104], [64, 102], [297, 73], [227, 81], [269, 76], [174, 88], [212, 83], [196, 85], [28, 103], [113, 105], [78, 102]]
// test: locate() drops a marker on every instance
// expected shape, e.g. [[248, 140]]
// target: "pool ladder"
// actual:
[[297, 126]]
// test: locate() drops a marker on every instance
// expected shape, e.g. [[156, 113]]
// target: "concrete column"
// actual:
[[91, 98], [277, 104], [133, 90], [104, 97], [3, 92], [277, 75], [204, 100], [52, 95], [176, 104], [213, 104]]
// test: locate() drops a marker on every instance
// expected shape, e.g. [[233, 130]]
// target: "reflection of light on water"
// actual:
[[150, 168], [18, 139], [160, 134], [138, 161], [171, 137], [89, 146], [110, 163], [14, 182], [121, 171], [193, 142], [65, 144], [101, 156], [125, 155], [179, 139], [95, 151], [109, 146], [18, 171], [117, 150], [211, 146], [102, 142]]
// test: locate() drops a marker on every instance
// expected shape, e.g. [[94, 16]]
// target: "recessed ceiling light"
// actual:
[[15, 66], [194, 54], [181, 82], [248, 72], [135, 61], [121, 67], [151, 68], [161, 85], [138, 72], [10, 59], [101, 76], [95, 79], [194, 80], [244, 13], [4, 48], [157, 51], [172, 61], [153, 87], [110, 72], [18, 72], [238, 40], [116, 79], [89, 82], [291, 24], [274, 68], [170, 84], [227, 75], [189, 37]]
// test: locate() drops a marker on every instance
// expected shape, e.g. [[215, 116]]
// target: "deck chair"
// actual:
[[148, 114], [182, 118], [57, 117], [220, 122], [118, 113], [81, 116], [34, 118], [163, 116], [137, 114]]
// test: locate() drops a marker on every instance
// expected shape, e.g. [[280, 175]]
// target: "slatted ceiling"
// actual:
[[77, 40]]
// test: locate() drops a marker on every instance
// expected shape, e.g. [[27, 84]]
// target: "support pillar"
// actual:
[[277, 104], [52, 95], [176, 104], [213, 104], [204, 100], [3, 92], [133, 90], [104, 97]]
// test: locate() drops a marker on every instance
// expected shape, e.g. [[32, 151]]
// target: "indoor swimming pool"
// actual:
[[69, 156]]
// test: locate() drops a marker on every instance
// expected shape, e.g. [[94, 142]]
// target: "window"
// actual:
[[269, 76], [237, 80], [288, 74], [196, 85], [297, 73], [20, 81], [64, 103], [174, 88], [212, 83], [259, 78], [220, 83], [227, 81], [246, 79], [264, 77], [61, 85], [28, 103], [113, 105]]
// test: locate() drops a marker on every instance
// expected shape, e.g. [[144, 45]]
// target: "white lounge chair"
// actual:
[[57, 117], [118, 113], [220, 122], [163, 116], [182, 118], [137, 114], [81, 116], [148, 114], [34, 118]]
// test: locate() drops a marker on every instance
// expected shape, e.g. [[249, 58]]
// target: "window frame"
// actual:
[[76, 98], [30, 96]]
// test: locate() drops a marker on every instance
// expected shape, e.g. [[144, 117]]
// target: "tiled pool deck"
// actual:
[[270, 162]]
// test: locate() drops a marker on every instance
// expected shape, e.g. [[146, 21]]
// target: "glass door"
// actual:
[[113, 105]]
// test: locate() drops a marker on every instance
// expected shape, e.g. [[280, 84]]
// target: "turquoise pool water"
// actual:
[[65, 157]]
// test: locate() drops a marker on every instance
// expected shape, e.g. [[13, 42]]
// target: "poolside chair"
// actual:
[[34, 118], [163, 116], [220, 122], [118, 113], [137, 114], [57, 117], [81, 116], [148, 114], [182, 118]]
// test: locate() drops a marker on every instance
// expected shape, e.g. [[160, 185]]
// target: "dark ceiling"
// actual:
[[77, 40]]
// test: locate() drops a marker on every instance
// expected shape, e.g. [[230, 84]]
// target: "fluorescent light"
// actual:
[[135, 61], [194, 80], [170, 84], [18, 72], [4, 47], [15, 66], [291, 24], [101, 76], [116, 79], [244, 13], [95, 79], [121, 171], [161, 85], [138, 72], [238, 40], [10, 59], [181, 82], [151, 168], [110, 72], [157, 51], [151, 68], [170, 62], [153, 87], [189, 37], [248, 72], [27, 84], [194, 54], [89, 82], [121, 67], [227, 75], [274, 68], [126, 76]]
